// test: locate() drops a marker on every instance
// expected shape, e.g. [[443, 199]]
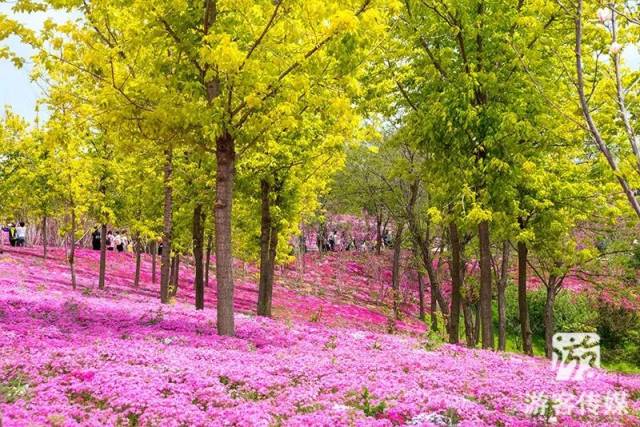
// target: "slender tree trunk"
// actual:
[[421, 297], [44, 236], [549, 321], [427, 260], [433, 306], [268, 250], [154, 255], [72, 249], [138, 248], [469, 329], [207, 260], [523, 307], [165, 260], [103, 256], [586, 111], [486, 294], [225, 162], [378, 233], [175, 275], [476, 324], [395, 270], [502, 300], [172, 270], [198, 243], [423, 244], [456, 283]]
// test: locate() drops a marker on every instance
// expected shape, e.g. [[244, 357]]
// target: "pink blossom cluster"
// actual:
[[118, 357]]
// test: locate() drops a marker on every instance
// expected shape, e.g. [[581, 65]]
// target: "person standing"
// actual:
[[332, 241], [109, 240], [21, 234], [95, 239], [12, 234], [119, 242]]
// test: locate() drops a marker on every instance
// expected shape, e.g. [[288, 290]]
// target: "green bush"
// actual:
[[572, 313], [619, 329]]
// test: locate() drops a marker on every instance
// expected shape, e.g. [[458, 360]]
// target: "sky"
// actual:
[[16, 88], [21, 94]]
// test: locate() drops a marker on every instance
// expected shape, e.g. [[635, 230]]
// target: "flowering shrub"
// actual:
[[119, 358]]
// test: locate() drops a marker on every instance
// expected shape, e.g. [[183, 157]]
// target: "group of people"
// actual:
[[117, 241], [341, 240], [17, 233]]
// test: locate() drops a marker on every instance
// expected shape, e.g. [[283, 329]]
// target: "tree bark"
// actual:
[[138, 249], [268, 249], [433, 306], [198, 248], [421, 297], [476, 324], [502, 300], [549, 320], [207, 261], [72, 249], [175, 275], [225, 162], [44, 236], [378, 233], [523, 307], [486, 295], [469, 327], [154, 255], [395, 270], [167, 227], [455, 267], [103, 256]]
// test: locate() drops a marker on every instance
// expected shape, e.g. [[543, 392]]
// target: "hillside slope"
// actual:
[[117, 357]]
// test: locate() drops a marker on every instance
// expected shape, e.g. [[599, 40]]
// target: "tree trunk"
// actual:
[[421, 297], [502, 300], [138, 248], [198, 248], [469, 329], [268, 250], [395, 270], [455, 268], [103, 256], [378, 233], [433, 276], [476, 324], [72, 249], [175, 275], [433, 306], [154, 255], [523, 307], [586, 111], [44, 236], [167, 227], [225, 162], [549, 321], [486, 295], [207, 260]]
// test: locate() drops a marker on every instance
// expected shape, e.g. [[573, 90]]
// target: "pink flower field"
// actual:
[[119, 358]]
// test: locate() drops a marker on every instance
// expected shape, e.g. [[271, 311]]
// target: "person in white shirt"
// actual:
[[118, 242], [21, 234]]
